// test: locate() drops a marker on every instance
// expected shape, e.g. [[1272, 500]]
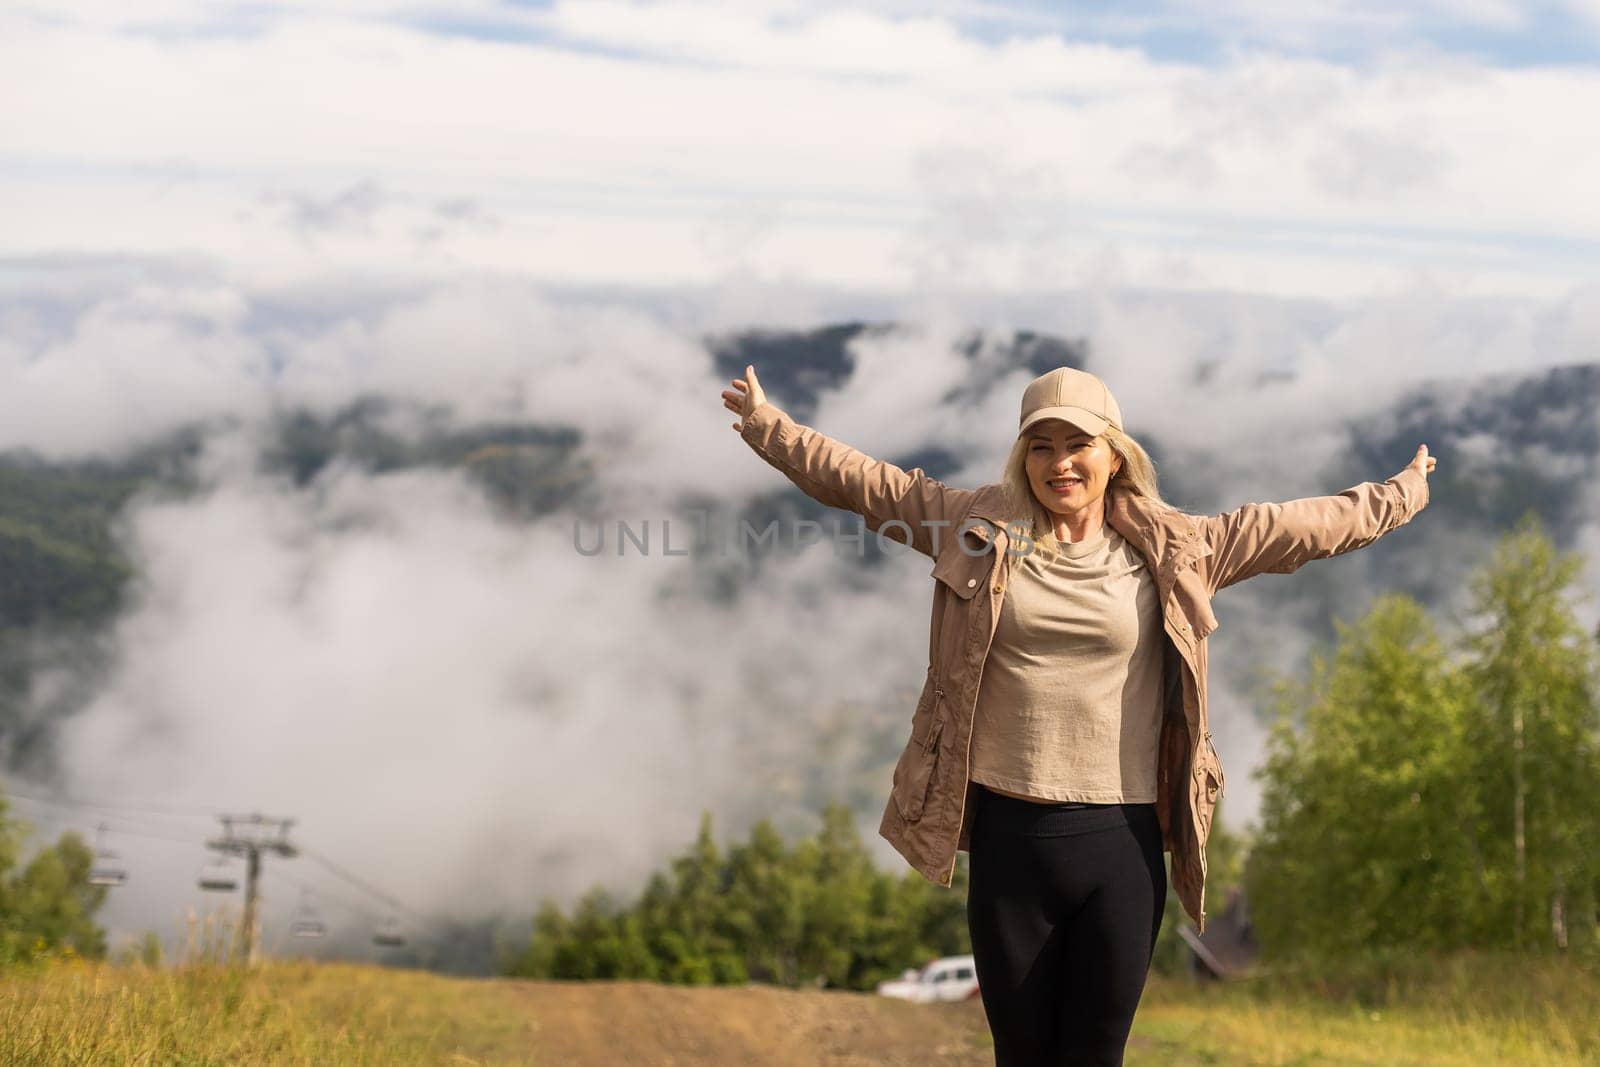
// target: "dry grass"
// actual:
[[1459, 1010], [280, 1013], [1466, 1009]]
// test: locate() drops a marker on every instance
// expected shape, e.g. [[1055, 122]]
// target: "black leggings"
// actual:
[[1064, 903]]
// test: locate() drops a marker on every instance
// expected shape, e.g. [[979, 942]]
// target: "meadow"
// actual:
[[1462, 1009]]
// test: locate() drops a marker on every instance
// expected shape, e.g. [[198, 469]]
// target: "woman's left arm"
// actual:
[[1277, 538]]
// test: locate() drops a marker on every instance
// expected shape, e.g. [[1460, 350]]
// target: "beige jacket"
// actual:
[[928, 818]]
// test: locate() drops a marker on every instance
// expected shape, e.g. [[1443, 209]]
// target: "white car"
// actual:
[[950, 978]]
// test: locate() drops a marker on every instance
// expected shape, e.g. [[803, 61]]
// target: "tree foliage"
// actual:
[[1435, 796], [47, 907], [816, 912]]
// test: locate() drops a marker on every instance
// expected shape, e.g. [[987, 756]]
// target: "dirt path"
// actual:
[[643, 1023]]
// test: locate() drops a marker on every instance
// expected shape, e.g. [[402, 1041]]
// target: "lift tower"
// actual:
[[249, 836]]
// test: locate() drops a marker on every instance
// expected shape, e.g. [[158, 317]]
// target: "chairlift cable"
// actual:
[[118, 828], [164, 811], [375, 918], [344, 902], [455, 933], [88, 807]]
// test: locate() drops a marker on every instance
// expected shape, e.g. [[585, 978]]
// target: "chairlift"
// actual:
[[306, 923], [101, 873], [388, 934], [217, 877]]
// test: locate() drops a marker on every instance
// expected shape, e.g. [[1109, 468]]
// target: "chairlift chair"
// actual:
[[100, 873], [388, 934], [107, 876], [306, 923], [216, 877]]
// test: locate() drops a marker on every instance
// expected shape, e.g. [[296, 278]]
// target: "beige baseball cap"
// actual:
[[1072, 395]]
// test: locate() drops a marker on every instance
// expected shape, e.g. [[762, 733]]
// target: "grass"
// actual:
[[76, 1012], [1396, 1011], [1462, 1009]]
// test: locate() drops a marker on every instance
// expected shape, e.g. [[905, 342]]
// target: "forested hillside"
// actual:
[[1528, 441]]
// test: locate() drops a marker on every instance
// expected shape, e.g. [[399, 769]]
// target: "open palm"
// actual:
[[745, 396]]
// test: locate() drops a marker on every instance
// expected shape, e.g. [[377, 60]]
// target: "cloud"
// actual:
[[132, 366], [349, 209], [675, 118], [467, 711], [930, 51]]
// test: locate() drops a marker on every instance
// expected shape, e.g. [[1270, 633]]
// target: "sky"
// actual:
[[1313, 149], [533, 212]]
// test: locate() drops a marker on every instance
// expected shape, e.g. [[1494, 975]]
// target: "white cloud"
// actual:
[[930, 51], [599, 165], [132, 367]]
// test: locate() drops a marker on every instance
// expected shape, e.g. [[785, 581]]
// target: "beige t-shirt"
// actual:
[[1069, 705]]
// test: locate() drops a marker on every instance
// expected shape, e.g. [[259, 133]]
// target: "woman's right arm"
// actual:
[[903, 506]]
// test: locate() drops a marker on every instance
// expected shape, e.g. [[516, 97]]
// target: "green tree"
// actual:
[[49, 905], [1421, 799], [767, 903], [694, 912], [1533, 748], [841, 893], [944, 912], [541, 958], [816, 911], [1360, 842]]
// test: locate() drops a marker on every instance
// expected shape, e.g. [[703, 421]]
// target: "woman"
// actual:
[[1061, 736]]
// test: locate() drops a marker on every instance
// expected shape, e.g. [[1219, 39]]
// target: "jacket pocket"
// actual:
[[1193, 602], [961, 573], [913, 775], [1212, 768], [1216, 763]]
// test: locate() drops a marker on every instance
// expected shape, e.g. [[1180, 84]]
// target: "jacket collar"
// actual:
[[1137, 517], [1147, 525]]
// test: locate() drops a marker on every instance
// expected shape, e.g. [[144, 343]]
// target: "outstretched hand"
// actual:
[[1424, 462], [745, 396]]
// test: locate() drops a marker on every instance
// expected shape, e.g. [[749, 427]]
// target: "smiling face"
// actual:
[[1059, 451]]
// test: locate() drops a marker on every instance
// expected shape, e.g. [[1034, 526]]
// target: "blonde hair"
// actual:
[[1136, 475]]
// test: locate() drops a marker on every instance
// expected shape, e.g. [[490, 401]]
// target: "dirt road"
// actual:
[[642, 1023]]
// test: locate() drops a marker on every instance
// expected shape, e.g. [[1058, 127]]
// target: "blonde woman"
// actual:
[[1061, 735]]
